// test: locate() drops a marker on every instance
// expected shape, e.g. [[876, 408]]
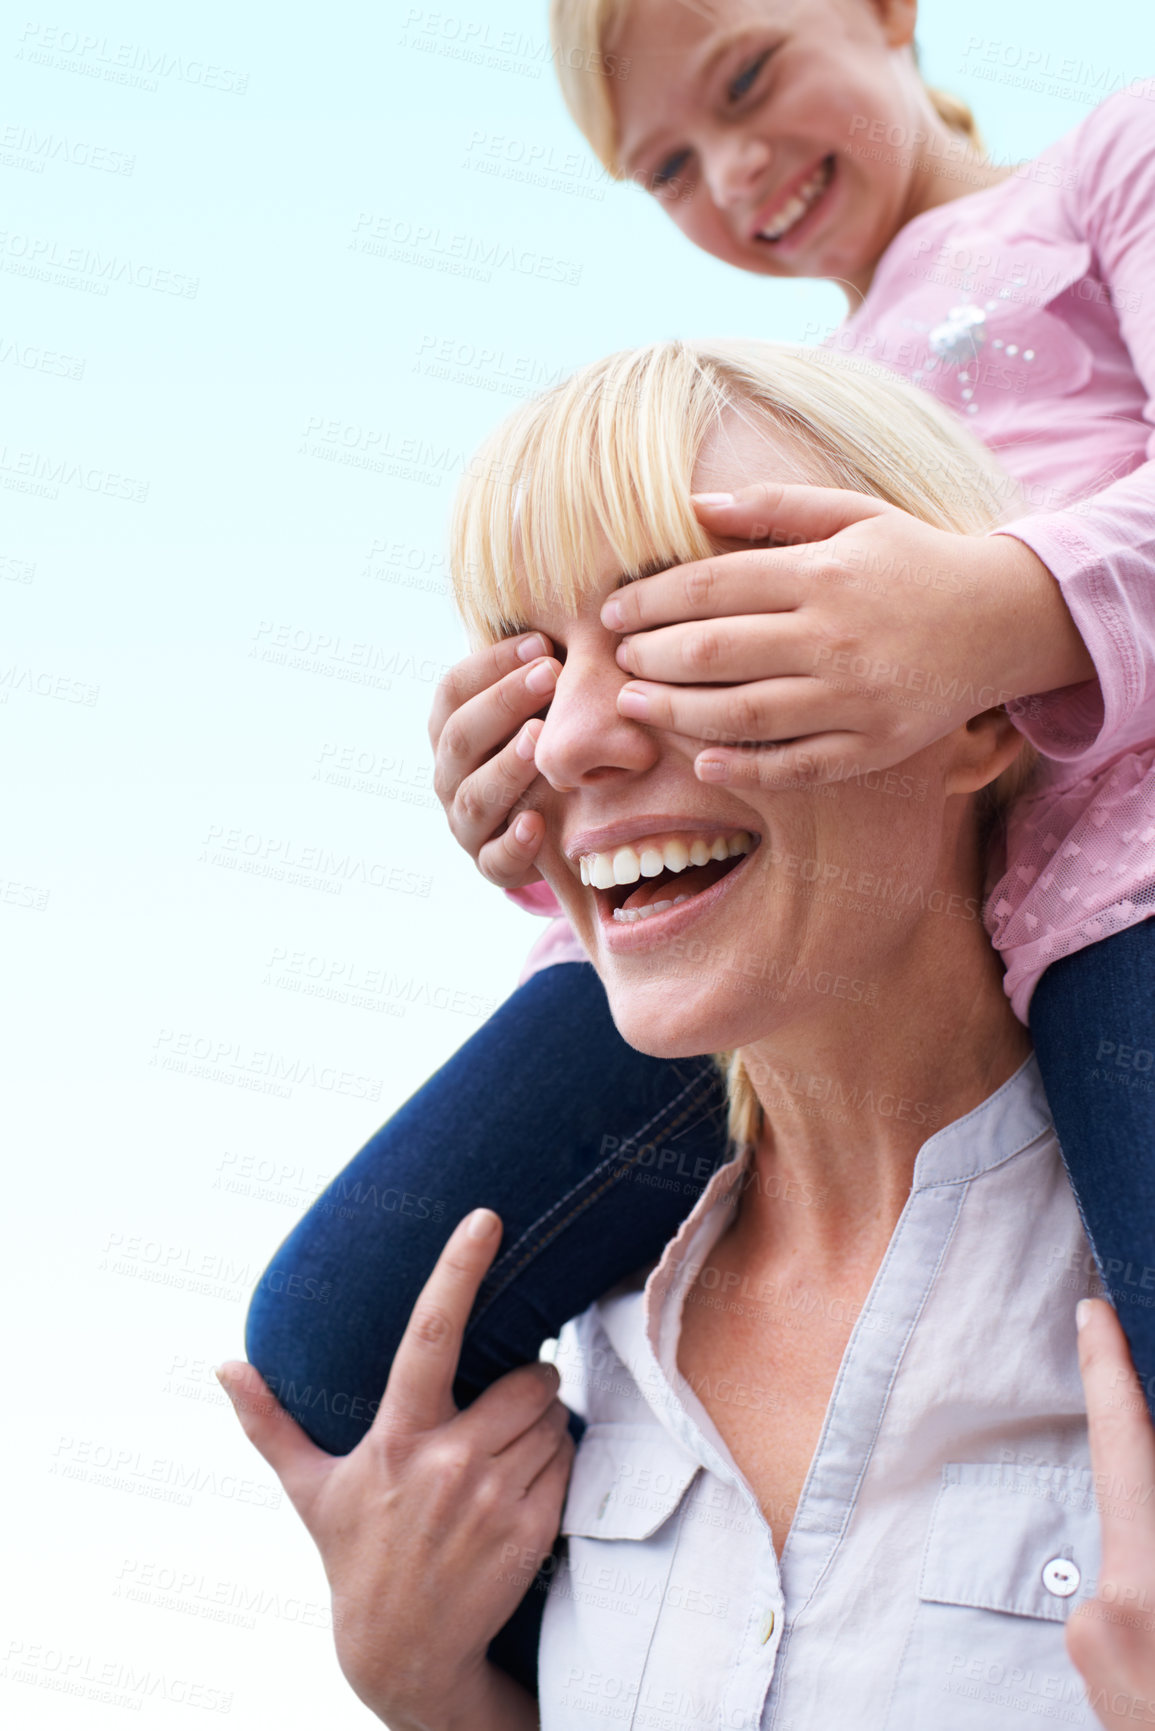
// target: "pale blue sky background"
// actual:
[[190, 319]]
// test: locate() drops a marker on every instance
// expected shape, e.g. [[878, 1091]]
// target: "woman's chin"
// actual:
[[653, 1024]]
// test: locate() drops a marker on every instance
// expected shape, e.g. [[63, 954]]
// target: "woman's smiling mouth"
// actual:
[[661, 879]]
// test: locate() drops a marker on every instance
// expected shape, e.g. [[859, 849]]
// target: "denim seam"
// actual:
[[581, 1196]]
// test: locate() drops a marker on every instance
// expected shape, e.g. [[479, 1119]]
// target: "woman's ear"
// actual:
[[980, 750]]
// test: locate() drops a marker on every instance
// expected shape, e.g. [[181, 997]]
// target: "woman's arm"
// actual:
[[414, 1525]]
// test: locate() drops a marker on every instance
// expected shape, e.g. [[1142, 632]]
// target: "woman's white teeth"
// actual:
[[798, 206], [625, 865], [644, 913]]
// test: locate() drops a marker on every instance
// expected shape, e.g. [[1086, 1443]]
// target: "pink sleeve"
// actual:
[[1102, 550], [558, 943], [536, 899]]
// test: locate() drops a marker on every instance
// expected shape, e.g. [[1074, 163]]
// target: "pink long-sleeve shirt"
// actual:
[[1029, 309]]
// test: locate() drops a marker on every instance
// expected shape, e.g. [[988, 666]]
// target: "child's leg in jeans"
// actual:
[[593, 1155], [1093, 1021]]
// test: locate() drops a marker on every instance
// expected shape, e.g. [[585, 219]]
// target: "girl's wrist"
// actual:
[[1038, 628]]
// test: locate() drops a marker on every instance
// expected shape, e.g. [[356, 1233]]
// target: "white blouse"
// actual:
[[947, 1526]]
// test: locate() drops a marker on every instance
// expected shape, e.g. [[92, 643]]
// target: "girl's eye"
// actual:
[[744, 82], [667, 172]]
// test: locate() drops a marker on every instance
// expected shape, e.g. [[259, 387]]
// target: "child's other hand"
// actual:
[[856, 637], [483, 740]]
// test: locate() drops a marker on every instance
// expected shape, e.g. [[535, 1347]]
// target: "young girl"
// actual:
[[795, 138]]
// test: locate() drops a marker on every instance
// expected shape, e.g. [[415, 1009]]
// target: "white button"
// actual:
[[767, 1627], [1061, 1576]]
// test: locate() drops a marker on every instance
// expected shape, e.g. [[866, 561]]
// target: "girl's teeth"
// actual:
[[799, 204]]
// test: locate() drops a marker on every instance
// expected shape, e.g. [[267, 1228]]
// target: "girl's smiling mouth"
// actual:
[[791, 212]]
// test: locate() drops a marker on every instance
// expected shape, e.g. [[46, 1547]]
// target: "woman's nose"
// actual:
[[734, 165], [584, 739]]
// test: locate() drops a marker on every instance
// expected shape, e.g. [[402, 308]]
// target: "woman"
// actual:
[[887, 1515]]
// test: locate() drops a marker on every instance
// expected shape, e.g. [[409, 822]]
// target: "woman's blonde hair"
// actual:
[[607, 457], [580, 33]]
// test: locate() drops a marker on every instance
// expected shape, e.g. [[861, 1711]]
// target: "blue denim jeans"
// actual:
[[1093, 1022], [593, 1154]]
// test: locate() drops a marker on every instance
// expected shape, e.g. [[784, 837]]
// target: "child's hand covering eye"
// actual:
[[856, 637], [483, 738]]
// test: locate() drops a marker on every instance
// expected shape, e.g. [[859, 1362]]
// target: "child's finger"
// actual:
[[720, 651], [476, 672], [485, 799], [486, 722], [786, 515], [507, 860], [762, 712], [755, 580], [811, 760]]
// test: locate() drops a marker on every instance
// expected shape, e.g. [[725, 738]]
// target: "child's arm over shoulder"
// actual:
[[1102, 549]]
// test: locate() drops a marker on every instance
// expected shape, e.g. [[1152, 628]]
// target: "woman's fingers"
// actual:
[[545, 1497], [419, 1393], [720, 651], [785, 515], [510, 1406], [1122, 1442], [1111, 1639], [297, 1461], [530, 1453]]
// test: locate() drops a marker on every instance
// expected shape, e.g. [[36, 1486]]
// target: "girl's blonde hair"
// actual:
[[580, 31], [607, 457]]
